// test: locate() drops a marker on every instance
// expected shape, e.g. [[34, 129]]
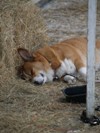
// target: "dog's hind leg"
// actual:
[[81, 69], [83, 73]]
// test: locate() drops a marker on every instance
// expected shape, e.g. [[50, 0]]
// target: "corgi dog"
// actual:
[[67, 59]]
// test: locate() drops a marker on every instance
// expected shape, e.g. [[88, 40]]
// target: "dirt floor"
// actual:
[[26, 108]]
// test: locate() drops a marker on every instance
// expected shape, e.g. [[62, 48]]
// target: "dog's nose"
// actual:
[[38, 83]]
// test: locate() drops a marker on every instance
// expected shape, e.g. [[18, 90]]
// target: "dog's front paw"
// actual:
[[70, 79]]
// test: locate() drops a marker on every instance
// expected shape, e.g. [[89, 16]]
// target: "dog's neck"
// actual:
[[49, 54]]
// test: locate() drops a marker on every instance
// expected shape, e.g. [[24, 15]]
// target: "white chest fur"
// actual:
[[67, 67]]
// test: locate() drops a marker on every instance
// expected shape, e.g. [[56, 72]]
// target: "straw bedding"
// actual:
[[22, 25]]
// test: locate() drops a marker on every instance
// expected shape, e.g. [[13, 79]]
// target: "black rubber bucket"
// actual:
[[75, 94]]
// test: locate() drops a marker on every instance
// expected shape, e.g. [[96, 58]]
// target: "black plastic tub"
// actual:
[[75, 94]]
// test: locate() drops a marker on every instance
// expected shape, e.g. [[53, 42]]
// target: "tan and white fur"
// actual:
[[66, 59]]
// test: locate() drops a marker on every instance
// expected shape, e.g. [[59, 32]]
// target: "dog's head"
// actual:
[[35, 68]]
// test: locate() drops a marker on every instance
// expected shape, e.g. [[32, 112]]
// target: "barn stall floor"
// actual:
[[25, 108]]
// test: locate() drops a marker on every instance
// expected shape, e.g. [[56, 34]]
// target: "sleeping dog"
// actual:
[[66, 59]]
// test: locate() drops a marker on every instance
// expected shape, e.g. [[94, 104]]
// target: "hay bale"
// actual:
[[22, 25]]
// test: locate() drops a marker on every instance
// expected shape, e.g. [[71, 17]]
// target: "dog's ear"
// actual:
[[25, 54]]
